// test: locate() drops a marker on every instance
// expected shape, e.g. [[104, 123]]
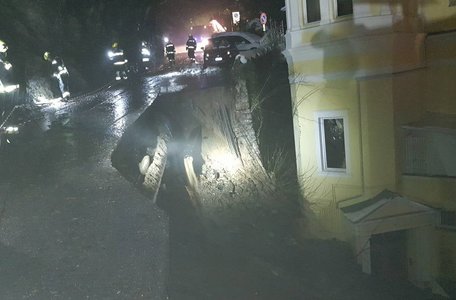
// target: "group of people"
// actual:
[[140, 59], [58, 71], [191, 44], [60, 74]]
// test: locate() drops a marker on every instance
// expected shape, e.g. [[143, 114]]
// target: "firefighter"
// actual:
[[191, 47], [59, 73], [119, 62], [170, 51], [7, 94], [5, 68], [145, 56]]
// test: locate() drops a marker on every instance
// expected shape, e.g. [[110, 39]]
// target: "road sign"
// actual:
[[263, 18], [236, 17]]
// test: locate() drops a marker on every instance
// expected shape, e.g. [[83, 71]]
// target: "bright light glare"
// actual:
[[8, 88], [119, 63], [166, 39], [54, 103], [224, 160], [11, 129], [145, 52], [204, 42], [120, 111]]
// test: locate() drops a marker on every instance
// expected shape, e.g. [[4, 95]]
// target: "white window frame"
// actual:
[[320, 142]]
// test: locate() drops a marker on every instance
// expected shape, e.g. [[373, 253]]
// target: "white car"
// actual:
[[243, 41]]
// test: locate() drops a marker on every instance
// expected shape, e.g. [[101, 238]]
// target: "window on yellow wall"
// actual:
[[344, 7], [429, 152], [332, 136], [313, 11], [429, 146], [448, 219]]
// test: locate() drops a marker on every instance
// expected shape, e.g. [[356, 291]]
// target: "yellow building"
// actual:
[[374, 106]]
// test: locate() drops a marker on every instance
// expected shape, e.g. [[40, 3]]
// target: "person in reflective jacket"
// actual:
[[146, 56], [59, 73], [119, 62], [3, 54], [5, 71], [191, 47], [170, 51]]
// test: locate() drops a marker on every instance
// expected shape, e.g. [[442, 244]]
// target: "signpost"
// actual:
[[263, 20], [236, 17]]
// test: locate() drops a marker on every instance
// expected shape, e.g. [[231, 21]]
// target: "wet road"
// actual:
[[70, 226]]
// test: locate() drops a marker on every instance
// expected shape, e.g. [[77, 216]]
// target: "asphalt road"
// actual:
[[71, 227]]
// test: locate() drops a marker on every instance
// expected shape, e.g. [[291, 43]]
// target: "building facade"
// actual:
[[373, 85]]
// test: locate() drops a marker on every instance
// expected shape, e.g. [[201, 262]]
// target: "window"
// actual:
[[237, 40], [429, 152], [313, 11], [332, 146], [344, 7], [448, 219]]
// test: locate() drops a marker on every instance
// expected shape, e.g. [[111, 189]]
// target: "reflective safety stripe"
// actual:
[[8, 88]]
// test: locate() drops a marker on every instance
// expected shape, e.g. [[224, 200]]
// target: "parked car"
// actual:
[[219, 51], [243, 41]]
